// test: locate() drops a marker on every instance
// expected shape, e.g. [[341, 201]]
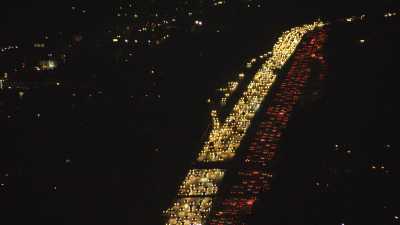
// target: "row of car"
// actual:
[[255, 174], [224, 139], [200, 187]]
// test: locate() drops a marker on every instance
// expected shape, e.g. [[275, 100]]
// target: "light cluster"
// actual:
[[46, 65], [39, 45], [389, 14], [354, 18], [228, 91], [201, 182], [252, 182], [252, 61], [3, 81], [189, 211], [246, 3], [78, 9], [254, 175], [140, 29], [231, 86], [219, 2], [223, 140], [8, 48], [235, 206]]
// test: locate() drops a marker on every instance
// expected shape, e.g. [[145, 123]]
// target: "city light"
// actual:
[[210, 112], [225, 138]]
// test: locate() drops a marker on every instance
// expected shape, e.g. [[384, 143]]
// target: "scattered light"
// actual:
[[21, 94]]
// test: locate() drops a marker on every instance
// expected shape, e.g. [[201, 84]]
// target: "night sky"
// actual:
[[107, 134]]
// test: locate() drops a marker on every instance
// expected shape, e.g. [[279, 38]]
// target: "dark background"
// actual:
[[115, 160]]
